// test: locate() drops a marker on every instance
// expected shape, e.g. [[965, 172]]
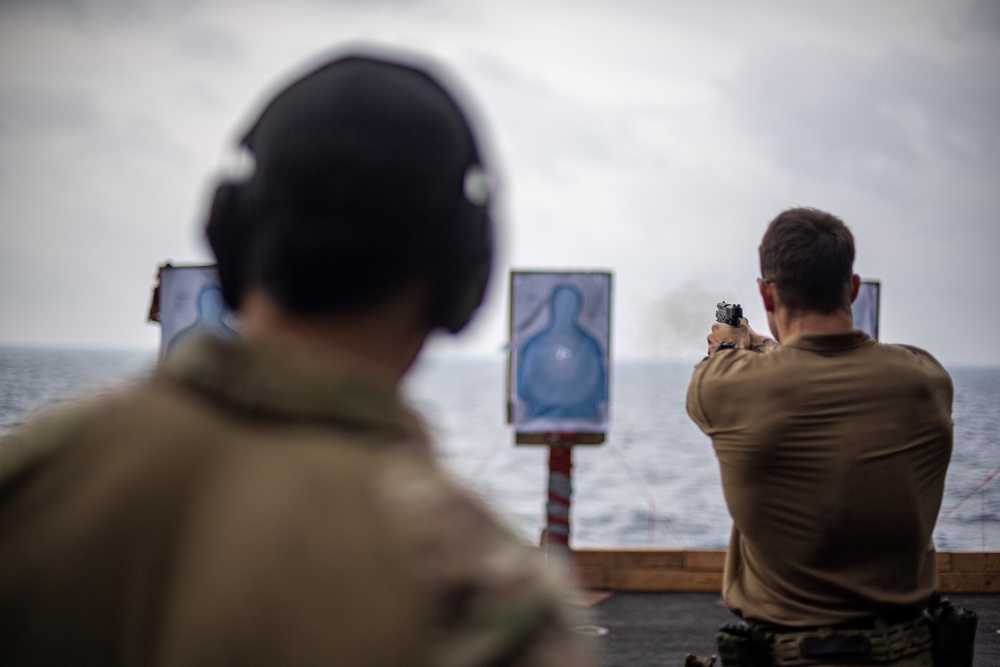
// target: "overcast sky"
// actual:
[[650, 138]]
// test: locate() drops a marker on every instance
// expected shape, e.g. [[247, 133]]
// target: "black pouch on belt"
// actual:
[[742, 646], [836, 646], [953, 632]]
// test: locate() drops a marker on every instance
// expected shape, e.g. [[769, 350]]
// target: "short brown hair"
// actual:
[[809, 254]]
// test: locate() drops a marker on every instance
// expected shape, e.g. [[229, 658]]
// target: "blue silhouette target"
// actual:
[[190, 300], [210, 316], [560, 326]]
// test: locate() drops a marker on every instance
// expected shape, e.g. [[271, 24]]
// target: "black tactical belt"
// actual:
[[879, 643]]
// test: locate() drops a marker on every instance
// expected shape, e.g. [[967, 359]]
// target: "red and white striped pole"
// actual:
[[555, 539]]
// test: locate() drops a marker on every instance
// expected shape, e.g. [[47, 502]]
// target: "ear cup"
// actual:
[[463, 278], [228, 234]]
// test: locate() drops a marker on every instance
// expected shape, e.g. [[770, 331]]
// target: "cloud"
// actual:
[[822, 116], [371, 3], [99, 11], [652, 139], [211, 42], [36, 108], [898, 126], [983, 18], [38, 126]]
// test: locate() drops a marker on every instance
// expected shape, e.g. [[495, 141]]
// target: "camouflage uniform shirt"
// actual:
[[248, 505]]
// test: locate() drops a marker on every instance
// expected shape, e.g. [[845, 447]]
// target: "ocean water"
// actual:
[[31, 379], [653, 483]]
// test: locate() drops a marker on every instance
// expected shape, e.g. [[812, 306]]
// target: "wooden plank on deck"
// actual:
[[651, 569]]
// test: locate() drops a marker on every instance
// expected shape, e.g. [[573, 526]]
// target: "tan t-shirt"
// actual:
[[833, 451]]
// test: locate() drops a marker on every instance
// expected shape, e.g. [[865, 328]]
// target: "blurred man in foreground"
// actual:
[[271, 500], [833, 450]]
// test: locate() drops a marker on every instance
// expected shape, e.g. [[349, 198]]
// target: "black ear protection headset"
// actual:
[[462, 260], [229, 229], [463, 276]]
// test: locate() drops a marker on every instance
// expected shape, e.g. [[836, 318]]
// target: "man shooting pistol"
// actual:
[[832, 450]]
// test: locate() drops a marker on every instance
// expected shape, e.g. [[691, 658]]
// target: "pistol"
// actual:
[[729, 313]]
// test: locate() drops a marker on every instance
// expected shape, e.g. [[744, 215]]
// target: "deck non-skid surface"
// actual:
[[658, 629]]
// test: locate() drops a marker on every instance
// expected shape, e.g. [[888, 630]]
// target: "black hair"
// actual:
[[809, 254]]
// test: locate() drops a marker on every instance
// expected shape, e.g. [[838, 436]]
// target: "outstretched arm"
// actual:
[[742, 335]]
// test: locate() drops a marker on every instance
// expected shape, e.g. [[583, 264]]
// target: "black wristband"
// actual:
[[727, 344]]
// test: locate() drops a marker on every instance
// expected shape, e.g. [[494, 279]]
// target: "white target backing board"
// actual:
[[559, 364], [866, 307]]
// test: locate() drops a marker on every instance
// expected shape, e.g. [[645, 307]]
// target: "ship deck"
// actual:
[[657, 629], [651, 606]]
